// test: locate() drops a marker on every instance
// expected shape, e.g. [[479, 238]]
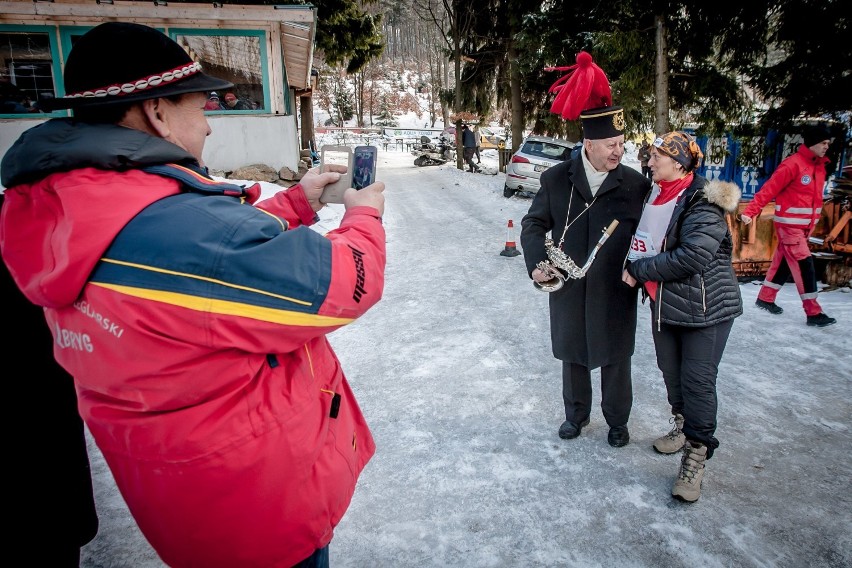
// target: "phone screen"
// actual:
[[364, 172]]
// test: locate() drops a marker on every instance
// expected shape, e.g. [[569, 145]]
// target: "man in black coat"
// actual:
[[51, 499], [593, 318]]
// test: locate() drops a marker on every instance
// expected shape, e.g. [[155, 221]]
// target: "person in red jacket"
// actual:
[[192, 315], [797, 188]]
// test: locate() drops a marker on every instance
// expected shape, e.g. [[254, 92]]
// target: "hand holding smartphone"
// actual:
[[360, 169]]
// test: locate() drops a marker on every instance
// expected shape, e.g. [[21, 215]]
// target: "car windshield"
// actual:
[[546, 150]]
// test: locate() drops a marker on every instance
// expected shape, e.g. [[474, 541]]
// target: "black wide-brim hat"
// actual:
[[119, 62]]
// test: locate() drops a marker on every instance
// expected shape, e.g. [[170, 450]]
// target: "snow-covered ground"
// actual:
[[454, 373]]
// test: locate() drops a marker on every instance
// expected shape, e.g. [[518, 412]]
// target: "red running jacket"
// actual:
[[797, 188]]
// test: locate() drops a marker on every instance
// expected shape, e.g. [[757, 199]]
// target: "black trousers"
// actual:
[[616, 392], [689, 359], [468, 158]]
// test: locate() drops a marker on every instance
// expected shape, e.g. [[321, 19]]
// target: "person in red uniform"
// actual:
[[797, 188]]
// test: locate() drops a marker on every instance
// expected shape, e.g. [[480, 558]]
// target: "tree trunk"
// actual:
[[515, 88], [358, 83], [457, 87], [661, 78], [306, 107], [445, 73]]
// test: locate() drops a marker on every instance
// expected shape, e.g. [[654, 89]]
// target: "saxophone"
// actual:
[[560, 263]]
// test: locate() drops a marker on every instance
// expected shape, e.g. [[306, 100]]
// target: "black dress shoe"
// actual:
[[618, 436], [570, 430]]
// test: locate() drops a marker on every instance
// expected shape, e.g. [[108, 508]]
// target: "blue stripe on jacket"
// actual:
[[216, 253]]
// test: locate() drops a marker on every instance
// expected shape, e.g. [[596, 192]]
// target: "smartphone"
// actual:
[[342, 156], [364, 172]]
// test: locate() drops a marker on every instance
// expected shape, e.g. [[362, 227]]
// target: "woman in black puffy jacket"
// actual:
[[681, 255]]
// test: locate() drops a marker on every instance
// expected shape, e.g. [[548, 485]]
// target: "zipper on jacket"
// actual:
[[703, 295], [660, 289]]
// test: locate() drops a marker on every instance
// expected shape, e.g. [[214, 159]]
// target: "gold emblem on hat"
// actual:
[[618, 120]]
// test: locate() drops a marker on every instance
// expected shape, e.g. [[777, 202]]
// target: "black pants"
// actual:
[[689, 359], [319, 559], [468, 158], [616, 392]]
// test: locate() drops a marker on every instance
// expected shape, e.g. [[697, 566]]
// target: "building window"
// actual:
[[30, 68], [238, 56], [26, 69]]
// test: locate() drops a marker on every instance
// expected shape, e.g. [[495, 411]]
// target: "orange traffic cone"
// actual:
[[510, 249]]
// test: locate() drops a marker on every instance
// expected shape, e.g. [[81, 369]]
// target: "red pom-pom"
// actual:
[[585, 86], [584, 58]]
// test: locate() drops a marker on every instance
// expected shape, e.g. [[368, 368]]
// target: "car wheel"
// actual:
[[508, 191]]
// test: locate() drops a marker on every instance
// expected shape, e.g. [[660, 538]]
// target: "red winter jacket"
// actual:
[[195, 324], [797, 188]]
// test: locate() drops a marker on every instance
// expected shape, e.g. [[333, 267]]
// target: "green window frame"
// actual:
[[247, 63], [251, 78], [34, 85]]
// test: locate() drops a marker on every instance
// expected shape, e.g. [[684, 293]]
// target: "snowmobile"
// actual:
[[433, 154]]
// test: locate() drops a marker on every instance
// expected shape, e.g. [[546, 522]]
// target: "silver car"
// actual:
[[535, 156]]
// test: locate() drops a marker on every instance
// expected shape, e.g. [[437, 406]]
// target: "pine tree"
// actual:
[[343, 105], [385, 116]]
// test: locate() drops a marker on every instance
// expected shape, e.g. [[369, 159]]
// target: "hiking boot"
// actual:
[[673, 441], [821, 320], [770, 307], [570, 430], [687, 486]]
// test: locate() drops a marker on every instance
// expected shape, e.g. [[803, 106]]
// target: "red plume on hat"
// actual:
[[585, 86]]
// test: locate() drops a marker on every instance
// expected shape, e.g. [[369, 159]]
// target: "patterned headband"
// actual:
[[680, 147], [147, 83]]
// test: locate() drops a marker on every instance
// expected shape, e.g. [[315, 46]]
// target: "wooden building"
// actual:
[[266, 51]]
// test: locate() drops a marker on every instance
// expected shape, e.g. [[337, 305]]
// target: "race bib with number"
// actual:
[[642, 246]]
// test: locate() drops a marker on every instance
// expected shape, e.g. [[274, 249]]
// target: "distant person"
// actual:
[[52, 482], [682, 255], [193, 317], [38, 105], [469, 144], [644, 155], [477, 138], [796, 186], [592, 318], [234, 103], [213, 102], [13, 100]]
